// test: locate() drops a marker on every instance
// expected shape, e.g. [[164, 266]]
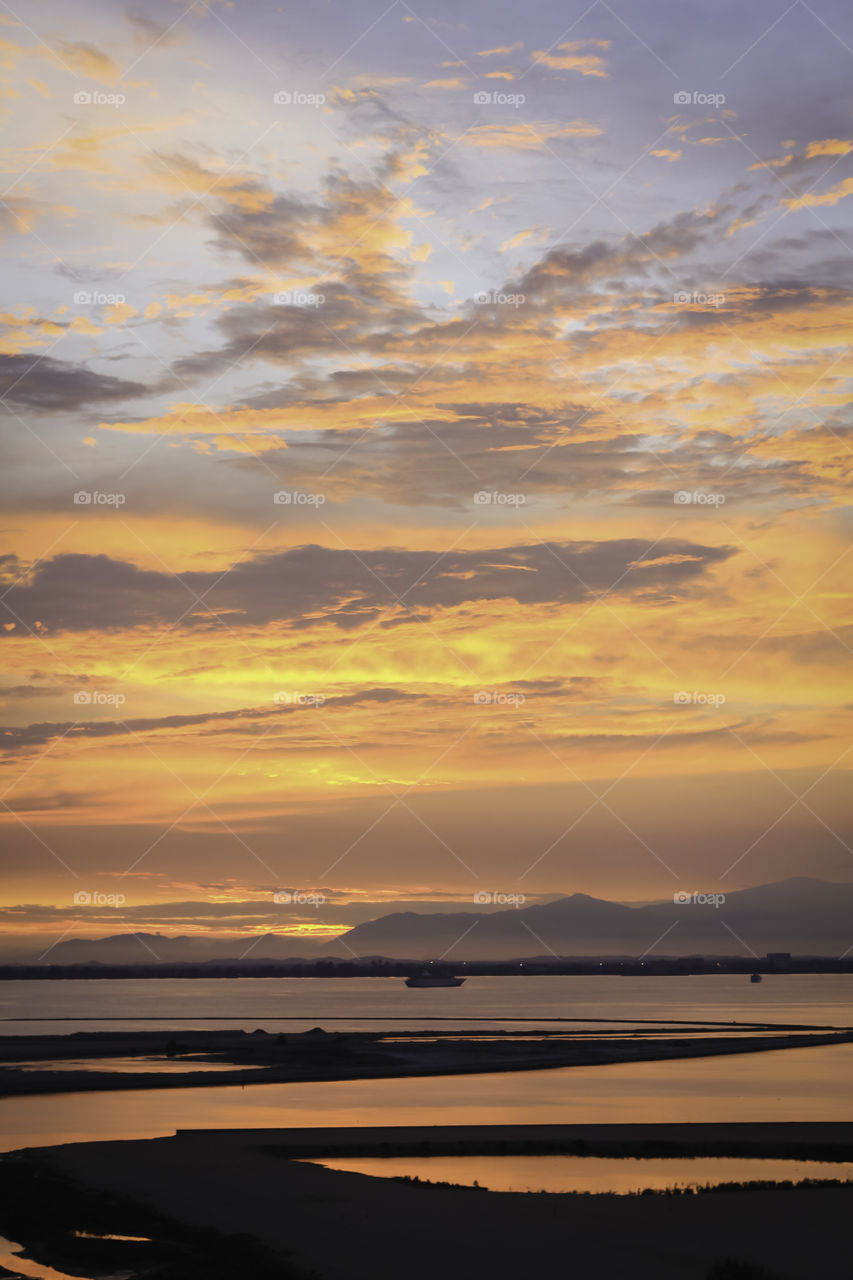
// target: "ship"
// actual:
[[756, 977], [427, 979]]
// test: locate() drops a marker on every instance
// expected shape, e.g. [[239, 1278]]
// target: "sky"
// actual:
[[425, 438]]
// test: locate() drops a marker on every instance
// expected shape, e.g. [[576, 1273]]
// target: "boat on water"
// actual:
[[756, 977], [427, 979]]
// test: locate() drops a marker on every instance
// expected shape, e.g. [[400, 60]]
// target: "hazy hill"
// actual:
[[800, 915], [148, 948]]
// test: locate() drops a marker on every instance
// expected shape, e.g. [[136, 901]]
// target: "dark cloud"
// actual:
[[566, 271], [271, 236], [149, 34], [829, 646], [346, 587], [765, 300], [440, 461], [56, 385], [253, 719], [354, 316], [25, 691], [691, 738], [19, 738], [33, 802]]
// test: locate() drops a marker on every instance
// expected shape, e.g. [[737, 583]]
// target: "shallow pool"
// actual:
[[622, 1175]]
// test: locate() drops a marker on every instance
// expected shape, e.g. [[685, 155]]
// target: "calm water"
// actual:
[[9, 1258], [133, 1066], [813, 999], [587, 1173], [792, 1084]]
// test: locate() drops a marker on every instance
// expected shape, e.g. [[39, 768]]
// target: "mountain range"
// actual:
[[801, 915]]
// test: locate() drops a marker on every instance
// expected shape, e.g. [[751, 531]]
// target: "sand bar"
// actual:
[[348, 1226], [52, 1064]]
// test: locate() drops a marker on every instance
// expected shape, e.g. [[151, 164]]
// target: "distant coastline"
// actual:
[[381, 967], [267, 1058]]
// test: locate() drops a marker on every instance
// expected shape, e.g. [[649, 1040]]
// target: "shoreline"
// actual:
[[392, 969], [265, 1058], [246, 1184], [768, 1139]]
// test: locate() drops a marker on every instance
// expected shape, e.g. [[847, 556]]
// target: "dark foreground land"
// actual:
[[235, 1203], [84, 1061]]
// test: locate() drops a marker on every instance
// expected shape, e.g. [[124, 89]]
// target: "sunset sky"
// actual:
[[404, 405]]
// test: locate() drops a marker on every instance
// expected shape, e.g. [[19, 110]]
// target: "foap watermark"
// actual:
[[682, 899], [496, 699], [696, 98], [493, 498], [298, 898], [97, 98], [697, 299], [98, 698], [297, 98], [684, 498], [483, 98], [82, 898], [297, 298], [484, 896], [496, 298], [94, 498], [285, 698], [92, 298], [685, 699], [293, 498]]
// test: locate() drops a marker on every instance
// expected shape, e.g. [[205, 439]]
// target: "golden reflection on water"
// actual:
[[587, 1173], [788, 1084]]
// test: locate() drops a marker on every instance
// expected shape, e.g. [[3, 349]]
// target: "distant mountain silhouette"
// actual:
[[148, 948], [800, 915]]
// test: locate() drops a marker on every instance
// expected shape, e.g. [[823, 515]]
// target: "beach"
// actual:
[[104, 1060], [345, 1226], [184, 1152]]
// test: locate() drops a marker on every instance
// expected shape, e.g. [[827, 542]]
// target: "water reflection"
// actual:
[[782, 1085], [586, 1173], [272, 1003], [155, 1065], [11, 1260]]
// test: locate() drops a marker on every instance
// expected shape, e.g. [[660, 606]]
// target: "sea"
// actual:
[[779, 1085]]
